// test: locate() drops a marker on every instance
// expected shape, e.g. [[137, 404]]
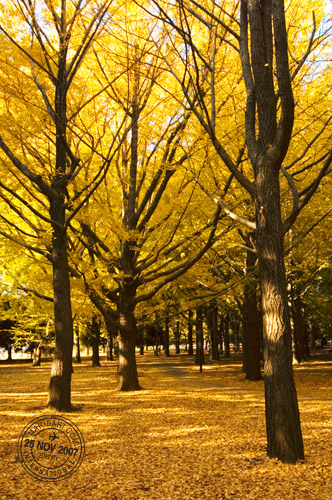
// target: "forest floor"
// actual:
[[187, 435]]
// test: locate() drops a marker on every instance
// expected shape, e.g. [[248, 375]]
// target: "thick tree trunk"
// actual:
[[127, 335], [60, 383], [127, 368], [251, 323], [284, 438], [190, 334]]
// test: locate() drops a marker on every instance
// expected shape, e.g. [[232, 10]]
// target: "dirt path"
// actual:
[[191, 380]]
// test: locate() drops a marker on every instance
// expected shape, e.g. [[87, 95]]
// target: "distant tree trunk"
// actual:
[[221, 335], [199, 356], [212, 322], [36, 360], [235, 329], [9, 353], [177, 338], [156, 342], [306, 339], [298, 331], [109, 352], [251, 330], [95, 331], [190, 334], [78, 347], [166, 336], [226, 336]]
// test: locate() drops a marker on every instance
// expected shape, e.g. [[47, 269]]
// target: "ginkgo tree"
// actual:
[[50, 159], [271, 54], [143, 228]]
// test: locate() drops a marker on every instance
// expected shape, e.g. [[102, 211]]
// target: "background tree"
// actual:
[[152, 233]]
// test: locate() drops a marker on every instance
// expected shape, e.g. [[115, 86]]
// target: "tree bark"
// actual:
[[60, 383], [127, 368], [282, 415], [127, 335]]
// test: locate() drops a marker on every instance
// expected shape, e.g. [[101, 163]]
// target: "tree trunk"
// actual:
[[95, 331], [298, 329], [166, 337], [226, 336], [235, 329], [60, 383], [221, 335], [78, 347], [9, 353], [251, 322], [127, 335], [284, 437], [177, 338], [127, 368], [212, 321], [190, 334], [157, 340], [306, 339], [109, 352], [36, 356], [199, 356]]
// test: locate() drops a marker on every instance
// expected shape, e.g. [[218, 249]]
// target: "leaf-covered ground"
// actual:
[[186, 435]]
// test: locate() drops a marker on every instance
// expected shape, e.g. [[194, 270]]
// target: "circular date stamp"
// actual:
[[51, 448]]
